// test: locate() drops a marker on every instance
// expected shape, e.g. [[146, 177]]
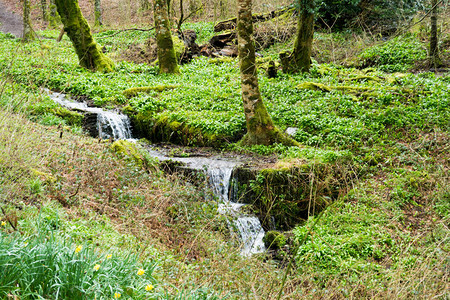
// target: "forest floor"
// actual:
[[386, 235]]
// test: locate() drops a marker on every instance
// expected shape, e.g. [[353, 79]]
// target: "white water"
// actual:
[[219, 173], [110, 124], [117, 126]]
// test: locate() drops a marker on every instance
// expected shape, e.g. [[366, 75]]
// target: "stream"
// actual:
[[218, 170]]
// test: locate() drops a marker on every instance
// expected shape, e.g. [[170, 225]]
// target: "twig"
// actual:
[[8, 219]]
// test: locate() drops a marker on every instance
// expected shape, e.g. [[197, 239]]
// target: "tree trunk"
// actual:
[[434, 51], [260, 127], [98, 13], [44, 10], [300, 59], [54, 19], [27, 31], [75, 25], [166, 53]]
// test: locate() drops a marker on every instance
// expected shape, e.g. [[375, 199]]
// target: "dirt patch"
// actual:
[[140, 53], [10, 22]]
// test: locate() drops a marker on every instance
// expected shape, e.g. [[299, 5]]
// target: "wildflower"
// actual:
[[148, 287], [3, 223], [108, 256], [117, 295], [78, 248], [96, 267], [141, 272]]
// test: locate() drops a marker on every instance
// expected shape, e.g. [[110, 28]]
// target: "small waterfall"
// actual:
[[219, 172], [110, 124], [249, 228]]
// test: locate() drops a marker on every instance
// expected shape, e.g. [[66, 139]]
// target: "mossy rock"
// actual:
[[72, 118], [129, 151], [285, 197], [274, 240], [164, 129]]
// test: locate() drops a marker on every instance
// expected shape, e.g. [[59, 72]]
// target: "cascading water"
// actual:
[[219, 171], [109, 124], [249, 227]]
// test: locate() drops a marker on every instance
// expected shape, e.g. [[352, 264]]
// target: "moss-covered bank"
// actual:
[[285, 197]]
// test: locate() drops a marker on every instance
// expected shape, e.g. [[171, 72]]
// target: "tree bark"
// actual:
[[434, 50], [44, 10], [54, 19], [300, 58], [166, 53], [79, 32], [27, 34], [260, 127], [98, 13]]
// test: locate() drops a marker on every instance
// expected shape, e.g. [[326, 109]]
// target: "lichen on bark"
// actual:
[[260, 127], [79, 32], [27, 34], [167, 59]]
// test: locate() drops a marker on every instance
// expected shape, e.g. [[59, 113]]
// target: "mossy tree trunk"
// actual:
[[44, 10], [27, 33], [434, 50], [260, 127], [89, 52], [98, 13], [54, 19], [166, 53], [300, 58]]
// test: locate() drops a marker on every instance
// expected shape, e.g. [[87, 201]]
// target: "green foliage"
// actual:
[[396, 55], [343, 241], [46, 266]]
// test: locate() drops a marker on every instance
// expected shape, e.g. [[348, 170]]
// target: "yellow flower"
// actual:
[[78, 249], [117, 295], [108, 256], [148, 287], [141, 272], [3, 223], [96, 267]]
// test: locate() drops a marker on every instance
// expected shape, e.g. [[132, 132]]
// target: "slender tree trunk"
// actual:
[[44, 10], [27, 34], [300, 59], [54, 19], [434, 50], [166, 53], [260, 127], [79, 32], [98, 13]]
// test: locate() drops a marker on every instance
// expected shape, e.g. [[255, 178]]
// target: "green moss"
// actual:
[[129, 151], [133, 92], [274, 240], [314, 86], [73, 118], [179, 47]]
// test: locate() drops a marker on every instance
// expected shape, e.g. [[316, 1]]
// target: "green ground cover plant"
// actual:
[[385, 236]]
